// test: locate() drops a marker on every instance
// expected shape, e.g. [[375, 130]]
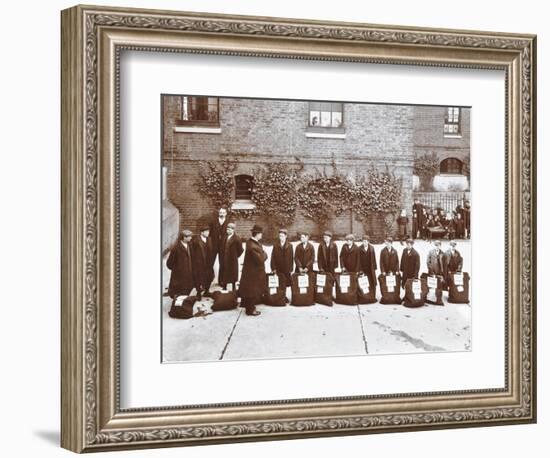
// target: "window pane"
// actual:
[[337, 119], [325, 119], [314, 118], [314, 106]]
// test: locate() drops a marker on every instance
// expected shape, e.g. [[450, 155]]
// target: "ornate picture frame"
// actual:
[[92, 40]]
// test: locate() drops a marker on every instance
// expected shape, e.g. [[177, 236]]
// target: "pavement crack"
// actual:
[[415, 342], [230, 334], [363, 331]]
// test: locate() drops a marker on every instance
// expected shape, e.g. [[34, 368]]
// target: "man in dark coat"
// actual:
[[253, 278], [349, 255], [282, 256], [410, 263], [436, 263], [453, 260], [230, 251], [418, 208], [180, 262], [367, 261], [218, 231], [327, 255], [389, 259], [304, 256], [202, 258]]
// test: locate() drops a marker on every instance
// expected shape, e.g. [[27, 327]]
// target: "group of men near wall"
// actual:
[[191, 260], [428, 222]]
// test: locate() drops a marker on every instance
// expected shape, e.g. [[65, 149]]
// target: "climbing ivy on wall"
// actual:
[[280, 191]]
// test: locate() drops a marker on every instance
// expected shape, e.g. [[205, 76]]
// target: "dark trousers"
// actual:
[[249, 304]]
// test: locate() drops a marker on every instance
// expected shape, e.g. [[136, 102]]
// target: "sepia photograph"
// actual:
[[313, 228]]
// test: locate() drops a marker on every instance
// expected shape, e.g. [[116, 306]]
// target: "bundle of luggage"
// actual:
[[390, 284], [459, 287], [275, 294]]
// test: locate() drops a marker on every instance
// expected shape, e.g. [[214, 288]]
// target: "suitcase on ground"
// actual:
[[275, 294], [346, 288], [459, 287], [182, 309], [435, 285], [302, 287], [415, 292], [390, 285], [224, 300], [324, 284], [366, 291]]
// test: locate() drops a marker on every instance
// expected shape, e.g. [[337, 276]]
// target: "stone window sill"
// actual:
[[333, 135], [452, 136], [243, 205], [197, 130]]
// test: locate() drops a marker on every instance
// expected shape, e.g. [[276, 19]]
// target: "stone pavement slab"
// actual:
[[201, 338], [392, 329], [282, 332]]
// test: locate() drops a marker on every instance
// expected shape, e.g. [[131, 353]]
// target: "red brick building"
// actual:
[[353, 136]]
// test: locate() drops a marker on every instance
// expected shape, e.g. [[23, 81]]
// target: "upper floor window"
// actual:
[[451, 166], [243, 187], [326, 114], [200, 110], [452, 121]]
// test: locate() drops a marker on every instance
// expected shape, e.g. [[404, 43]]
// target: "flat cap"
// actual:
[[283, 231], [232, 225], [328, 234], [186, 233], [350, 237], [257, 229]]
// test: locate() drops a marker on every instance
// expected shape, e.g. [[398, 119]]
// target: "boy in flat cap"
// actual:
[[389, 259], [304, 256], [203, 265], [367, 261], [253, 278], [437, 264], [230, 251], [327, 255], [453, 260], [410, 262], [349, 255], [282, 256], [180, 262]]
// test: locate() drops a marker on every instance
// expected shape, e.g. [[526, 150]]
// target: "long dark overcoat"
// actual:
[[202, 261], [282, 260], [349, 258], [327, 257], [253, 277], [304, 257], [389, 260], [410, 264], [230, 251], [367, 263], [217, 233], [181, 265]]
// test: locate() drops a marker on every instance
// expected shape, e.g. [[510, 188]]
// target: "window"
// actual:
[[243, 187], [200, 110], [325, 114], [452, 121], [451, 166]]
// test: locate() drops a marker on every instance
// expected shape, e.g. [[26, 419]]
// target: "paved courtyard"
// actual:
[[319, 330]]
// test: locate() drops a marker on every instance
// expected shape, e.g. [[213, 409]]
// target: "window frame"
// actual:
[[449, 123], [248, 197], [319, 127], [450, 160], [181, 121]]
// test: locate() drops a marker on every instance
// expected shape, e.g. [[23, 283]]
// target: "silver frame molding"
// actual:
[[92, 40]]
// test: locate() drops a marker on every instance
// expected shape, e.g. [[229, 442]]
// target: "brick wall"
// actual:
[[429, 135], [260, 131]]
